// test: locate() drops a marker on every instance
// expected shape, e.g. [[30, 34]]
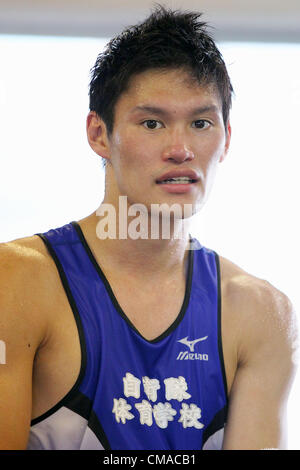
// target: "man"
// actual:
[[150, 341]]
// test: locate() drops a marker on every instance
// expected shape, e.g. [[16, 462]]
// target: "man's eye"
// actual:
[[201, 124], [152, 124]]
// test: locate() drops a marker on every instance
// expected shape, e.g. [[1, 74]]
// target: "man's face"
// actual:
[[166, 127]]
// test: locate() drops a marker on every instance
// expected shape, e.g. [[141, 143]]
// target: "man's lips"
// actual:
[[182, 173]]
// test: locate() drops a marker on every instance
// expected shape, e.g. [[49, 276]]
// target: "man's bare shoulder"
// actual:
[[24, 262], [27, 283], [242, 287], [263, 315], [23, 249]]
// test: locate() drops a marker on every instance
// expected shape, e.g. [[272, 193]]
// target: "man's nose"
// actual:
[[178, 150], [178, 153]]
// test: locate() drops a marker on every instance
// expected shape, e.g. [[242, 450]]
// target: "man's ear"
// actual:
[[227, 143], [97, 135]]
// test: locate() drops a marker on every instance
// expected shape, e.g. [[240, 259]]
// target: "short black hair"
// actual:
[[167, 39]]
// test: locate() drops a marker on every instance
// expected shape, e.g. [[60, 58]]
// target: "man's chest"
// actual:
[[151, 312]]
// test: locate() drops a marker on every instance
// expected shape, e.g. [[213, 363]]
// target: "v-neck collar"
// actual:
[[115, 301]]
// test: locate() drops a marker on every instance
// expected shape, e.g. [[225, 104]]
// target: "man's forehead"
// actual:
[[181, 76], [166, 83]]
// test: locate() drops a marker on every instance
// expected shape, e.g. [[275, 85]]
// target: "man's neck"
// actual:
[[147, 258]]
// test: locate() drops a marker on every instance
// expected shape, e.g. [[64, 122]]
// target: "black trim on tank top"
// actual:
[[220, 345], [217, 423], [82, 405], [115, 301], [69, 395]]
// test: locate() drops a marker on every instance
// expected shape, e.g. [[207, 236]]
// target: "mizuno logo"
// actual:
[[191, 355], [191, 344]]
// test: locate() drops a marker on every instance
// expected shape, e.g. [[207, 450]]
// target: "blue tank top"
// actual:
[[169, 393]]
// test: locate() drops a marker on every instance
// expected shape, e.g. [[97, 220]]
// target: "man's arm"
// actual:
[[21, 333], [267, 350]]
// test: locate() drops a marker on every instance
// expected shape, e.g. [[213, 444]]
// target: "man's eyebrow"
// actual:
[[163, 112]]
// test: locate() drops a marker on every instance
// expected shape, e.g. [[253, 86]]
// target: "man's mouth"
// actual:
[[178, 180], [178, 176]]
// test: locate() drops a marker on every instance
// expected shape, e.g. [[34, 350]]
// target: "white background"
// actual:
[[50, 176]]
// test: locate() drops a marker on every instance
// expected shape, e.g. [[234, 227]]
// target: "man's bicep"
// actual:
[[19, 336], [15, 379], [15, 405], [258, 398], [257, 414]]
